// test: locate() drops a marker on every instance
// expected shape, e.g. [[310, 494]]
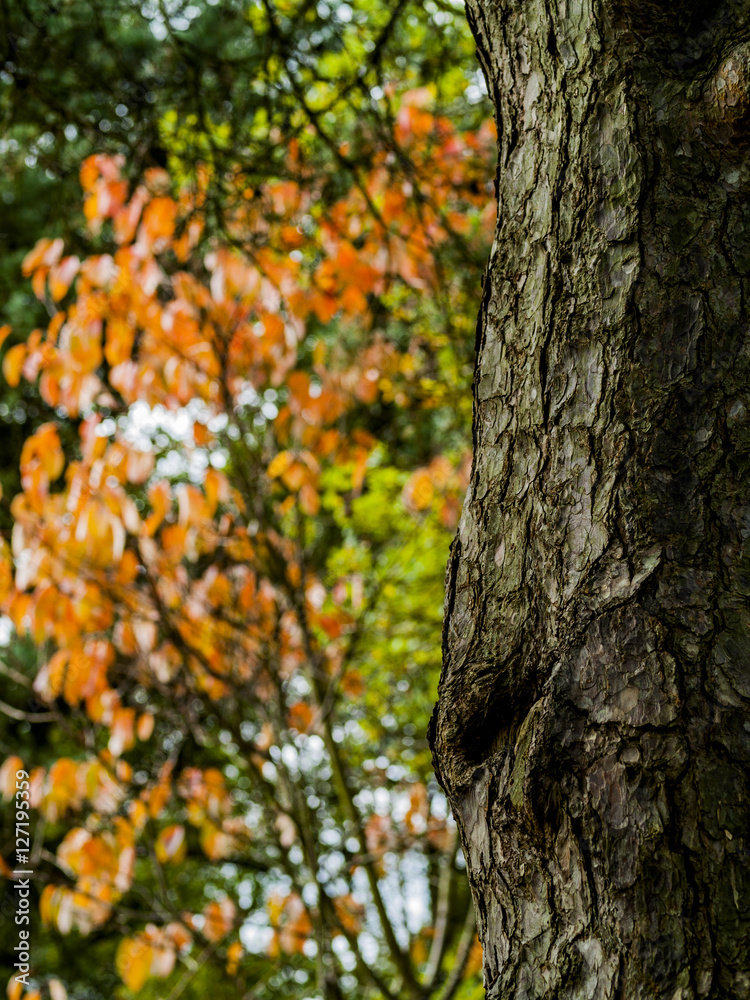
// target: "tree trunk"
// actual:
[[593, 727]]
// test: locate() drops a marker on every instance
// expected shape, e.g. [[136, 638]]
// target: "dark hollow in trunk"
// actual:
[[593, 726]]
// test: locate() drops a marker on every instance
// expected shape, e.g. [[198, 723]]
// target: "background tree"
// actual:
[[226, 85], [593, 729], [239, 386]]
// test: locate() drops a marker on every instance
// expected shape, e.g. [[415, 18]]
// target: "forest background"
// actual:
[[241, 247]]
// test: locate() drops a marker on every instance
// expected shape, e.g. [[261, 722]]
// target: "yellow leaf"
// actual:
[[13, 363], [234, 954], [280, 464], [48, 904], [133, 962]]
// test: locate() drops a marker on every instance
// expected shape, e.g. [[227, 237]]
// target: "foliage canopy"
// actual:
[[238, 390]]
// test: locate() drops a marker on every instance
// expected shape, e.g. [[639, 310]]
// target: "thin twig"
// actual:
[[20, 716], [462, 955]]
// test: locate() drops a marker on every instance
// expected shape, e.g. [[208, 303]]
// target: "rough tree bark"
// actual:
[[593, 726]]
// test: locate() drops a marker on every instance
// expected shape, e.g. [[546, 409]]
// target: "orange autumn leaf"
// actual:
[[61, 277], [145, 726], [45, 254], [99, 166], [235, 951], [160, 498], [171, 846], [292, 237], [475, 960], [62, 789], [420, 491], [15, 988], [309, 499], [273, 326], [300, 716], [158, 221], [159, 794], [8, 776], [43, 450], [219, 919], [416, 817], [13, 364], [353, 683], [295, 475], [350, 913], [215, 842], [291, 922]]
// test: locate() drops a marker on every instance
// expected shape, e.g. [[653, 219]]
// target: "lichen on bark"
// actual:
[[593, 724]]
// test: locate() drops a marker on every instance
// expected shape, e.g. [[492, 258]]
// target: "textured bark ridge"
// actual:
[[593, 727]]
